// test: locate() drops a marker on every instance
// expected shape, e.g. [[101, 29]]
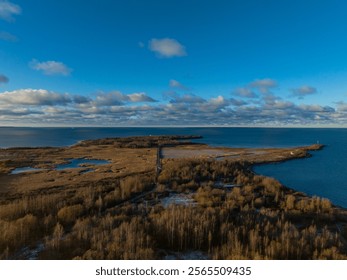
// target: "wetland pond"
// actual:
[[72, 163]]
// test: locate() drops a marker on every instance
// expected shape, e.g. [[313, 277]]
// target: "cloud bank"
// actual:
[[44, 107]]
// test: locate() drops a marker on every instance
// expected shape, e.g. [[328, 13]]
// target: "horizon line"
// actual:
[[168, 126]]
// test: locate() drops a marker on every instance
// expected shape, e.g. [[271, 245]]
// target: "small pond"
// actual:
[[72, 163], [80, 162]]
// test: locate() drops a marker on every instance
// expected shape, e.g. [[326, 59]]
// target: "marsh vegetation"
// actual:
[[123, 217]]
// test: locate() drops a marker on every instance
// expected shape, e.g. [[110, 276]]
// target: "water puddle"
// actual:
[[222, 185], [25, 169], [72, 163], [80, 162]]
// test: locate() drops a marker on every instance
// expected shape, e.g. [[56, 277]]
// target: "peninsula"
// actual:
[[159, 197]]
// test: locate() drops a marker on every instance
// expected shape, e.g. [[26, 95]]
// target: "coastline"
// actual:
[[172, 147], [165, 180]]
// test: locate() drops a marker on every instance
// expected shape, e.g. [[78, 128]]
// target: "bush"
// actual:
[[69, 214]]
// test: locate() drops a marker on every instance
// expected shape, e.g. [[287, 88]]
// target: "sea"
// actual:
[[324, 174]]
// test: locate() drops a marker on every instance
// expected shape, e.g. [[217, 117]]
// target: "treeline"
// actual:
[[190, 174], [225, 234], [142, 141]]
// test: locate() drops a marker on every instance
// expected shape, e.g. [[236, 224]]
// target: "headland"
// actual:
[[160, 197]]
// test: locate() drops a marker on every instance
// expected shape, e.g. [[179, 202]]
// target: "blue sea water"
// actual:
[[324, 174]]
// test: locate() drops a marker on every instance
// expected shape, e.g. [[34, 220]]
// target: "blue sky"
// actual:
[[151, 62]]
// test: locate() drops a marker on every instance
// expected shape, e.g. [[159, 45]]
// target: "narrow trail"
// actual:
[[138, 197]]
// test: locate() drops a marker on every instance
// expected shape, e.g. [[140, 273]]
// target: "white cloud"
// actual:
[[117, 98], [80, 99], [341, 106], [252, 89], [263, 85], [245, 92], [283, 105], [109, 99], [8, 10], [167, 47], [3, 79], [38, 97], [140, 97], [317, 108], [51, 67], [237, 102], [303, 91], [46, 107], [217, 101], [269, 98], [186, 98], [177, 85]]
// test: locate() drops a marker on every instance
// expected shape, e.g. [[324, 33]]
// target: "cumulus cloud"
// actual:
[[5, 36], [109, 99], [63, 108], [303, 91], [38, 97], [317, 108], [21, 112], [50, 67], [263, 85], [80, 99], [118, 98], [252, 90], [177, 85], [187, 98], [140, 97], [8, 10], [269, 98], [46, 107], [245, 92], [3, 79], [166, 47], [341, 106], [237, 102], [218, 101]]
